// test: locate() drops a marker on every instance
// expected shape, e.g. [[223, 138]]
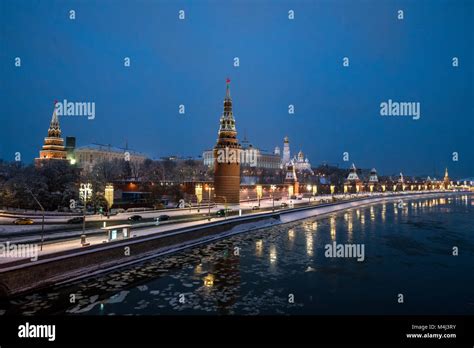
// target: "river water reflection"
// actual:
[[408, 251]]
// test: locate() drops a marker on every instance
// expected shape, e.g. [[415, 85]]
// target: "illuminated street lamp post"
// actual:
[[259, 193], [198, 191], [273, 187], [309, 187], [209, 189], [42, 222], [85, 192]]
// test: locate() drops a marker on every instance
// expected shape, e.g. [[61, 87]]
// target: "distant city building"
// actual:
[[252, 157], [89, 155], [176, 158], [226, 155], [208, 158], [53, 147]]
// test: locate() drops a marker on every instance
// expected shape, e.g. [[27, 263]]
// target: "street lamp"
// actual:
[[273, 187], [85, 191], [209, 189], [259, 193], [198, 191], [309, 187], [42, 210]]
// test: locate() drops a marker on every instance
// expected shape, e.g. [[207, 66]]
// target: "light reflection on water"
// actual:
[[408, 250]]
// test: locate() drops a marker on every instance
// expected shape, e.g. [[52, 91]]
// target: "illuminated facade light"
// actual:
[[109, 194], [198, 192], [85, 192]]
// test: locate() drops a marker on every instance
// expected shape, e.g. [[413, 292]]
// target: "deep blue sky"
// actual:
[[281, 62]]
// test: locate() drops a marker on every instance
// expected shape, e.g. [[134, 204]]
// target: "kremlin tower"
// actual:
[[286, 152], [227, 157], [291, 180], [446, 180], [373, 178], [353, 177], [353, 183], [53, 148]]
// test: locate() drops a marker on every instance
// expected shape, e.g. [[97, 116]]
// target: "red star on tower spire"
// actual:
[[227, 94]]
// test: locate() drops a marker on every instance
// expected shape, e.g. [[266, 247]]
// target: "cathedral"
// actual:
[[53, 148], [299, 162], [227, 171]]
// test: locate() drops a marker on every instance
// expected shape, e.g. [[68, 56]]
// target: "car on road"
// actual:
[[163, 218], [135, 218], [223, 212], [284, 205], [293, 197], [76, 220], [255, 207], [23, 221]]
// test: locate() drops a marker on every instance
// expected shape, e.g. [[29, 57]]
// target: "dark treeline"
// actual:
[[56, 183]]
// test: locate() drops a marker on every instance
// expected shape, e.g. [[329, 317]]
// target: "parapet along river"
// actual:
[[422, 250]]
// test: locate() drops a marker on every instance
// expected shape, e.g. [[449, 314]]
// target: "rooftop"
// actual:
[[108, 148]]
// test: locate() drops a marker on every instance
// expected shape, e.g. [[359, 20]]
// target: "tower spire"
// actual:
[[227, 156], [54, 130], [53, 148], [227, 92]]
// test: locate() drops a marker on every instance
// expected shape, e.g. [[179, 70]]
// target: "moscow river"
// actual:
[[284, 270]]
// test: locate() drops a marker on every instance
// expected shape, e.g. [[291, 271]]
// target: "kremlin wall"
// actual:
[[240, 171]]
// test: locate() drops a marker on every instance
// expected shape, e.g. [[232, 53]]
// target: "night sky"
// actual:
[[282, 62]]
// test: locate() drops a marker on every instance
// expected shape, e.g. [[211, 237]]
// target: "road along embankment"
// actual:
[[24, 275]]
